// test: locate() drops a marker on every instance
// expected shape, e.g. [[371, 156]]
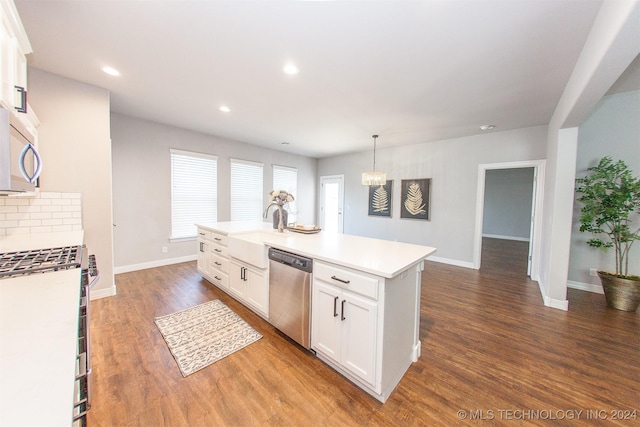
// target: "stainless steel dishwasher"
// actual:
[[290, 294]]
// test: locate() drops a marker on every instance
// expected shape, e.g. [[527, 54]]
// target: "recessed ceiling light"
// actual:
[[224, 108], [111, 71], [487, 127], [284, 143], [291, 69]]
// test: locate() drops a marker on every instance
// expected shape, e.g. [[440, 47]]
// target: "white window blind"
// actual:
[[194, 192], [286, 178], [246, 191]]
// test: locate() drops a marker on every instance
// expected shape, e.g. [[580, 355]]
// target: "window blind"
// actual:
[[246, 191], [286, 178], [194, 192]]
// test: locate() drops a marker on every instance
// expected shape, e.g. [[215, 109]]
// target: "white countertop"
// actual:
[[38, 344], [380, 257], [22, 242], [38, 337]]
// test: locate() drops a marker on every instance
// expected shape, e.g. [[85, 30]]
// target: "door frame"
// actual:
[[535, 234], [324, 179]]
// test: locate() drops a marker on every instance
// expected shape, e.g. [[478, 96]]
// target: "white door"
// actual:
[[332, 203]]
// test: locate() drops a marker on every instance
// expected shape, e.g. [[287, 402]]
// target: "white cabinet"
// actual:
[[213, 258], [14, 46], [366, 326], [250, 286], [344, 329]]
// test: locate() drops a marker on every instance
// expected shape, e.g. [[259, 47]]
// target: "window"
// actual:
[[285, 178], [246, 191], [194, 192]]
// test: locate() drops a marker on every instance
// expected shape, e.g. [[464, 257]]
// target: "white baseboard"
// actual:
[[497, 236], [553, 303], [449, 261], [585, 287], [103, 293], [152, 264]]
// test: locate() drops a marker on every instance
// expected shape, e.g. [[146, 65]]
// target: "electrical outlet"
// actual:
[[593, 272], [165, 250]]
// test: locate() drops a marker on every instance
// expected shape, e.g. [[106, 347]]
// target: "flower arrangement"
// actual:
[[279, 198]]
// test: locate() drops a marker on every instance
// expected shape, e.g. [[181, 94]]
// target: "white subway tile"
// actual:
[[18, 230], [51, 208], [14, 201], [29, 223], [50, 195], [7, 209], [9, 223], [61, 215], [41, 202], [40, 215], [29, 209], [42, 229], [62, 228]]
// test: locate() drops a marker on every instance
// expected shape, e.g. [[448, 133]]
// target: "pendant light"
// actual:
[[374, 178]]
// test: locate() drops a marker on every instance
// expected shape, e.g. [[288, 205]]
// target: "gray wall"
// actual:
[[142, 193], [452, 165], [507, 203], [613, 129], [74, 142]]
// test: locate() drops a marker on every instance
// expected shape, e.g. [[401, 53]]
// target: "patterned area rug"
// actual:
[[204, 334]]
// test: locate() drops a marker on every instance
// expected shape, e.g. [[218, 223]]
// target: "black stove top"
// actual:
[[40, 261]]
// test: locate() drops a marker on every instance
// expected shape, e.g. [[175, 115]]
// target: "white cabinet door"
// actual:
[[257, 290], [325, 320], [204, 258], [237, 279], [359, 320], [344, 328]]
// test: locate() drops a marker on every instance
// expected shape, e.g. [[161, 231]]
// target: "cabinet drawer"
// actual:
[[220, 279], [218, 238], [204, 234], [346, 278], [219, 263], [219, 250]]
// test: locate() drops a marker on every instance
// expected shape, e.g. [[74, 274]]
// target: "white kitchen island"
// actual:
[[365, 301]]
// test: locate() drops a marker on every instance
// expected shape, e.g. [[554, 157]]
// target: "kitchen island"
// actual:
[[365, 299]]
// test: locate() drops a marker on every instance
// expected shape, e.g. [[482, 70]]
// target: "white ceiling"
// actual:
[[410, 71]]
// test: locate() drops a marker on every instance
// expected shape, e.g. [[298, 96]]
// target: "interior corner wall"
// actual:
[[452, 166], [613, 129], [75, 145], [142, 186]]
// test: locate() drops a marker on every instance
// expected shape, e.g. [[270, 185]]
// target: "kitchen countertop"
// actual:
[[380, 257], [38, 337], [21, 242]]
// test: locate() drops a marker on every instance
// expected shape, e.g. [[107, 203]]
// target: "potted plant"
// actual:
[[610, 197]]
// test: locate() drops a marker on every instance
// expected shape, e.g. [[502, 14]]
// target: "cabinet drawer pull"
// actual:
[[217, 278], [217, 263], [22, 108], [346, 282], [218, 250], [335, 307], [201, 247], [217, 238], [342, 314], [202, 234]]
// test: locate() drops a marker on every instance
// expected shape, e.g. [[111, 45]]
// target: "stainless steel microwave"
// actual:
[[20, 163]]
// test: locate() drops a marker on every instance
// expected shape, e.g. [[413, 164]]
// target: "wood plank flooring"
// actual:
[[489, 349]]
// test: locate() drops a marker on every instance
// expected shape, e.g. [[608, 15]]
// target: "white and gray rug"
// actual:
[[204, 334]]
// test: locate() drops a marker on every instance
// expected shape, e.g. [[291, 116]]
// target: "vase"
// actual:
[[620, 293], [276, 218]]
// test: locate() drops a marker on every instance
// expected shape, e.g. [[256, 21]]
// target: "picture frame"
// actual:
[[380, 199], [415, 199]]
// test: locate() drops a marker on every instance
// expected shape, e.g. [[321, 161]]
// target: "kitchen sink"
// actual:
[[249, 248]]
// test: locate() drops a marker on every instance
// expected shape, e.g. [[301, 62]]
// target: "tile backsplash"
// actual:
[[42, 213]]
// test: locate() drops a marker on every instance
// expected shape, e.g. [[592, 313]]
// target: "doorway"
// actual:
[[535, 226], [332, 203]]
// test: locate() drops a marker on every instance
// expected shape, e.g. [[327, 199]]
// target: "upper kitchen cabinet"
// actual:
[[14, 46]]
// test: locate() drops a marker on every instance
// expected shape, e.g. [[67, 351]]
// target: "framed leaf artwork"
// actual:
[[414, 199], [380, 199]]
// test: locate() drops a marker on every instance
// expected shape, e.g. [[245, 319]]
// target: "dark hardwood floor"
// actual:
[[492, 354]]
